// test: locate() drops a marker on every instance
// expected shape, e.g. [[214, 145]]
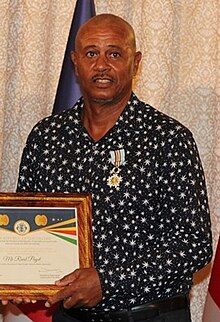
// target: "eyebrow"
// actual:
[[110, 46]]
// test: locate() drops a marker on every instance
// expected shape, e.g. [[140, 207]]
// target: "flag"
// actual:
[[68, 91], [212, 305]]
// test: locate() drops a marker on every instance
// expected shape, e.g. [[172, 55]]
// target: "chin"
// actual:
[[103, 100]]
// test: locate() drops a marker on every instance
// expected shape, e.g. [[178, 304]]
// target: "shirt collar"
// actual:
[[127, 121]]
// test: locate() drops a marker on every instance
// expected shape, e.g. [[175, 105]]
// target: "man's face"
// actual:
[[105, 63]]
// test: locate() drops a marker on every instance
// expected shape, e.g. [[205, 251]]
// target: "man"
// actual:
[[151, 226]]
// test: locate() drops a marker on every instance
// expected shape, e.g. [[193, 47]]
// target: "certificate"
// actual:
[[43, 237]]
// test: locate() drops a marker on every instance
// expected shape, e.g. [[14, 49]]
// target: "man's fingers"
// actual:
[[26, 300], [18, 300], [64, 294], [5, 302], [67, 279], [81, 288], [68, 303]]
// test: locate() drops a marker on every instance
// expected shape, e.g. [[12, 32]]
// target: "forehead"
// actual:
[[114, 35]]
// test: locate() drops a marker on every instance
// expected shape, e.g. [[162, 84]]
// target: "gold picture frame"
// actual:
[[66, 220]]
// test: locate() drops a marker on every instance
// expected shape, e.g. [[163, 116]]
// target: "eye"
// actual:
[[91, 54], [115, 54]]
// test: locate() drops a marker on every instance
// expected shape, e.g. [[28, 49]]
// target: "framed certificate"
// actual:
[[43, 236]]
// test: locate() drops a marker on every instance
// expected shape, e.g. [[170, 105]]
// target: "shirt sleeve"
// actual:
[[184, 244], [29, 162]]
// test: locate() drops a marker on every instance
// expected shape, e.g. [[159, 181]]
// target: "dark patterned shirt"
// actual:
[[151, 226]]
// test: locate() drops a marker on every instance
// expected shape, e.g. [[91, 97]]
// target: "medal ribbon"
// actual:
[[117, 157]]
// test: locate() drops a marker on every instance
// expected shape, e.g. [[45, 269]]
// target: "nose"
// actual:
[[101, 63]]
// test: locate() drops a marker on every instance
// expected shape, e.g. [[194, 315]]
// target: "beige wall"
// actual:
[[178, 75]]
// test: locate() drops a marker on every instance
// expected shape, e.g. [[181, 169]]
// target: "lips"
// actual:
[[102, 79]]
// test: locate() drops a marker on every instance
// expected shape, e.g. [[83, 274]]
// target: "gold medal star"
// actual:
[[114, 180]]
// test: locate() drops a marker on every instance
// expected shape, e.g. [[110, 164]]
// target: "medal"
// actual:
[[114, 180], [117, 158]]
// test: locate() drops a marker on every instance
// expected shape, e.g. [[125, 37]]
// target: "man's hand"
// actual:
[[82, 288], [18, 300]]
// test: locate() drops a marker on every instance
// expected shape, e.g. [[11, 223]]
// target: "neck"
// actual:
[[99, 118]]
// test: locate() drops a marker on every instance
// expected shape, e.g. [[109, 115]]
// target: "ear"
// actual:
[[137, 59], [74, 60]]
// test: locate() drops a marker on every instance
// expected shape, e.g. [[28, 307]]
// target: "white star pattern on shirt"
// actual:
[[153, 231]]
